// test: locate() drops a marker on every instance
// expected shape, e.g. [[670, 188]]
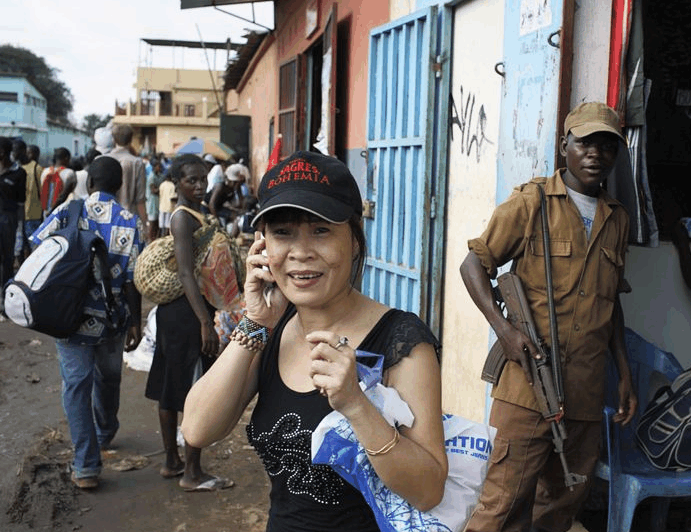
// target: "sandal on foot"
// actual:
[[84, 483], [213, 484]]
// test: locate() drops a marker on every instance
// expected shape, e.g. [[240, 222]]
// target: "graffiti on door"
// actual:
[[471, 124]]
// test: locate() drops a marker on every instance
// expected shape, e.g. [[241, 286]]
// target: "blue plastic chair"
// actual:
[[630, 474]]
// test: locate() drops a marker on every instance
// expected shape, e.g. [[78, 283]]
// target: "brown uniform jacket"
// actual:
[[587, 275]]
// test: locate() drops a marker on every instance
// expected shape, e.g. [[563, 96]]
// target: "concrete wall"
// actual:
[[258, 98], [400, 8], [472, 177], [60, 136], [169, 138], [592, 20], [175, 79], [659, 306]]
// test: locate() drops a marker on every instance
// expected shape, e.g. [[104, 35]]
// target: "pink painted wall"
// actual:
[[360, 16], [258, 98]]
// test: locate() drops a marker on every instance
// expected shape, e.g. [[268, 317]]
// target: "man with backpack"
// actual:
[[57, 181], [91, 359]]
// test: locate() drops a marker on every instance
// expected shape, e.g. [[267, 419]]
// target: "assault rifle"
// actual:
[[546, 370]]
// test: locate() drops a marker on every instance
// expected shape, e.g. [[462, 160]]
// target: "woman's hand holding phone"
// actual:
[[264, 301]]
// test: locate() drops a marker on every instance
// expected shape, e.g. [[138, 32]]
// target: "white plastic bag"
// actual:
[[468, 446], [140, 358]]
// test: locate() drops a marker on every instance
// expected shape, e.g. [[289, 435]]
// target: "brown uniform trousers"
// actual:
[[525, 480]]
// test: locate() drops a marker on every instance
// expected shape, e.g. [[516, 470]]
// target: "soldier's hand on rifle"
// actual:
[[627, 402], [518, 347]]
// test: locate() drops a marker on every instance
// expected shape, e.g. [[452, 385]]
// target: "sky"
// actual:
[[97, 46]]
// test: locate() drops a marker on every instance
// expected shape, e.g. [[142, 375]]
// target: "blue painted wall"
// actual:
[[62, 136]]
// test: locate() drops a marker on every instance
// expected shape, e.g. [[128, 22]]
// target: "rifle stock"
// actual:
[[510, 292]]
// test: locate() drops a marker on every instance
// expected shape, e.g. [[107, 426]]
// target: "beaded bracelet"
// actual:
[[387, 447], [250, 334]]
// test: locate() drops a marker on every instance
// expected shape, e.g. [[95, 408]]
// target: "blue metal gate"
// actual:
[[529, 109], [400, 189]]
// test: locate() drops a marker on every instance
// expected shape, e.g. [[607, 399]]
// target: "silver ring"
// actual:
[[341, 342]]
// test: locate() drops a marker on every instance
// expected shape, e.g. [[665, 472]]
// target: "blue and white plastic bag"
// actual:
[[468, 446]]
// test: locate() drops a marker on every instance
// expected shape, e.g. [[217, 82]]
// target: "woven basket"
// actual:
[[156, 270]]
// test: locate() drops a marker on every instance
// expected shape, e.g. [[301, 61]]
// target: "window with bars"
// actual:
[[287, 106], [190, 110]]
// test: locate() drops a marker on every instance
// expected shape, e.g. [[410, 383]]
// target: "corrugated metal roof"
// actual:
[[238, 65]]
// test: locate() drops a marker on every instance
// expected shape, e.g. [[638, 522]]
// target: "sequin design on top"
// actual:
[[286, 450]]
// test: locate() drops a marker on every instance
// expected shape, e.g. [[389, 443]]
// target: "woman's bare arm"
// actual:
[[416, 466], [217, 400]]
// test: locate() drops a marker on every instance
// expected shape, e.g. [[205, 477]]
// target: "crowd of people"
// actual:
[[294, 349], [130, 201]]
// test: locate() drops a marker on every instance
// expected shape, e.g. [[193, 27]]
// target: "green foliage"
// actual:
[[93, 121], [19, 60]]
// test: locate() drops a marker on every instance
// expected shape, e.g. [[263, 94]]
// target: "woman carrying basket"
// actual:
[[185, 332]]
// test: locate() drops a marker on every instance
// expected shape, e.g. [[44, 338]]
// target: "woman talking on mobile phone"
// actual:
[[295, 348]]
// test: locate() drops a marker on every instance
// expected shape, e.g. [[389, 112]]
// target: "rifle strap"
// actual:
[[553, 329]]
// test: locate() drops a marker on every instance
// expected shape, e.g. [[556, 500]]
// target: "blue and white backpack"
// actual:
[[49, 291]]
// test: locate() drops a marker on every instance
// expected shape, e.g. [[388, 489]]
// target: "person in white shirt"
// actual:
[[216, 175], [80, 191]]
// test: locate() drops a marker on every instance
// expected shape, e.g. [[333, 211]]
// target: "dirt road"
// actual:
[[35, 489]]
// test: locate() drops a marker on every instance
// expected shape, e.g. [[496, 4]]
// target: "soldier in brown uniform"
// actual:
[[588, 233]]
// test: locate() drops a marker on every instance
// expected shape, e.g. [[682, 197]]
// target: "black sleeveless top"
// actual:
[[307, 497]]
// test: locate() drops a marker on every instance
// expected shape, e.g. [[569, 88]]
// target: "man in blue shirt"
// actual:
[[91, 359]]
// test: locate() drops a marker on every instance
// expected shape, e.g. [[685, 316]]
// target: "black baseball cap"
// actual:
[[312, 182]]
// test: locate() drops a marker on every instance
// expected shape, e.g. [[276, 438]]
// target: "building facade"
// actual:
[[172, 106], [23, 115], [23, 111]]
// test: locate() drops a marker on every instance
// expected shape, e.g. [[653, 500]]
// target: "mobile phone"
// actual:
[[266, 268], [268, 288]]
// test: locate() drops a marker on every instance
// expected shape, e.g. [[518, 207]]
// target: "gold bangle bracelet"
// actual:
[[387, 447]]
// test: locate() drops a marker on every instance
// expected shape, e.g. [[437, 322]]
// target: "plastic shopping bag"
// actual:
[[140, 359], [468, 446]]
